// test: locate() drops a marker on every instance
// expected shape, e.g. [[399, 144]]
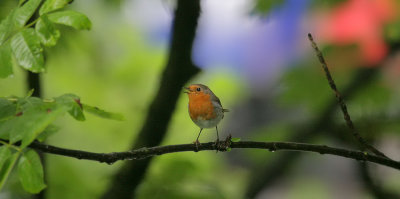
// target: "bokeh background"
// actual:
[[255, 55]]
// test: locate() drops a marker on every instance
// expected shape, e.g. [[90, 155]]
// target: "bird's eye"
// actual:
[[198, 89]]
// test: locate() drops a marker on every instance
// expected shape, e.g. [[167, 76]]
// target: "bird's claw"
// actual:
[[217, 145], [197, 144]]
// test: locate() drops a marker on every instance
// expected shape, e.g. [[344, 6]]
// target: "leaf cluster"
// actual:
[[31, 27], [24, 120]]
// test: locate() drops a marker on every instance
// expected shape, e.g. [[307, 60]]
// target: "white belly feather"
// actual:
[[203, 123]]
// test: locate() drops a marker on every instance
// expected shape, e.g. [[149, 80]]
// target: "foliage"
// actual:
[[19, 38], [24, 34], [29, 118]]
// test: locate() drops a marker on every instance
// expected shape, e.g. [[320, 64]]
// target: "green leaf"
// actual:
[[28, 51], [50, 130], [235, 139], [30, 122], [7, 27], [30, 172], [72, 102], [4, 134], [5, 153], [228, 149], [25, 12], [47, 32], [71, 18], [42, 119], [51, 5], [28, 102], [6, 61], [7, 167], [102, 113], [7, 109], [21, 2]]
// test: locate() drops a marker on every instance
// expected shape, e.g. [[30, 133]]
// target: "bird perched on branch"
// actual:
[[205, 108]]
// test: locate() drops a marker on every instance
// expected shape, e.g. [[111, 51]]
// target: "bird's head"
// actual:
[[197, 89]]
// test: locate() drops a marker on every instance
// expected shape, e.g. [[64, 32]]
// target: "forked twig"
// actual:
[[363, 143]]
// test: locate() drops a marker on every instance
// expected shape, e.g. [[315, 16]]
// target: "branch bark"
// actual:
[[178, 71], [147, 152], [363, 143], [278, 167], [324, 123]]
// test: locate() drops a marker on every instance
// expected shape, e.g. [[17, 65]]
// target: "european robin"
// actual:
[[205, 108]]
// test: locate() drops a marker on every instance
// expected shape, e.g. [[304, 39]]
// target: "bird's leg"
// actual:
[[217, 141], [197, 143]]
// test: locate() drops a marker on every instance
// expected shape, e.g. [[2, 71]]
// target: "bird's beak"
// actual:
[[187, 90]]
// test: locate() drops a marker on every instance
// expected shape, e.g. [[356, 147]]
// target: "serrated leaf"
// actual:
[[28, 51], [72, 102], [10, 122], [7, 26], [71, 18], [5, 153], [235, 139], [30, 122], [101, 113], [47, 32], [30, 172], [51, 5], [25, 12], [7, 167], [50, 130], [6, 61], [42, 119], [7, 109]]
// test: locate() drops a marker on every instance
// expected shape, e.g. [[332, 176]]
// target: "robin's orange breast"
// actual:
[[201, 107]]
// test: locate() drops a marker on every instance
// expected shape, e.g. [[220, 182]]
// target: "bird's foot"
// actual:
[[197, 144], [217, 145]]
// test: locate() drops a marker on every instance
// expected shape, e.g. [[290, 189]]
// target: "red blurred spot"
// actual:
[[18, 114], [360, 22], [79, 103]]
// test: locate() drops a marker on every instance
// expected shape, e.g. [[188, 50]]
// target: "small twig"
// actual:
[[145, 152], [364, 144]]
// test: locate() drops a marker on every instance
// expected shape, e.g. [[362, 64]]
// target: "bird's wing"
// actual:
[[216, 99]]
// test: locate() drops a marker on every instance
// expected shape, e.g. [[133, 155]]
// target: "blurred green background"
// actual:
[[256, 57]]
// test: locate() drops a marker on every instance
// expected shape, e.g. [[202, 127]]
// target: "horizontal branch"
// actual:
[[145, 152]]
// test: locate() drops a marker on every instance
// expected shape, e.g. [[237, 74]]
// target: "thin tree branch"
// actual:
[[278, 167], [33, 82], [324, 123], [147, 152], [364, 144]]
